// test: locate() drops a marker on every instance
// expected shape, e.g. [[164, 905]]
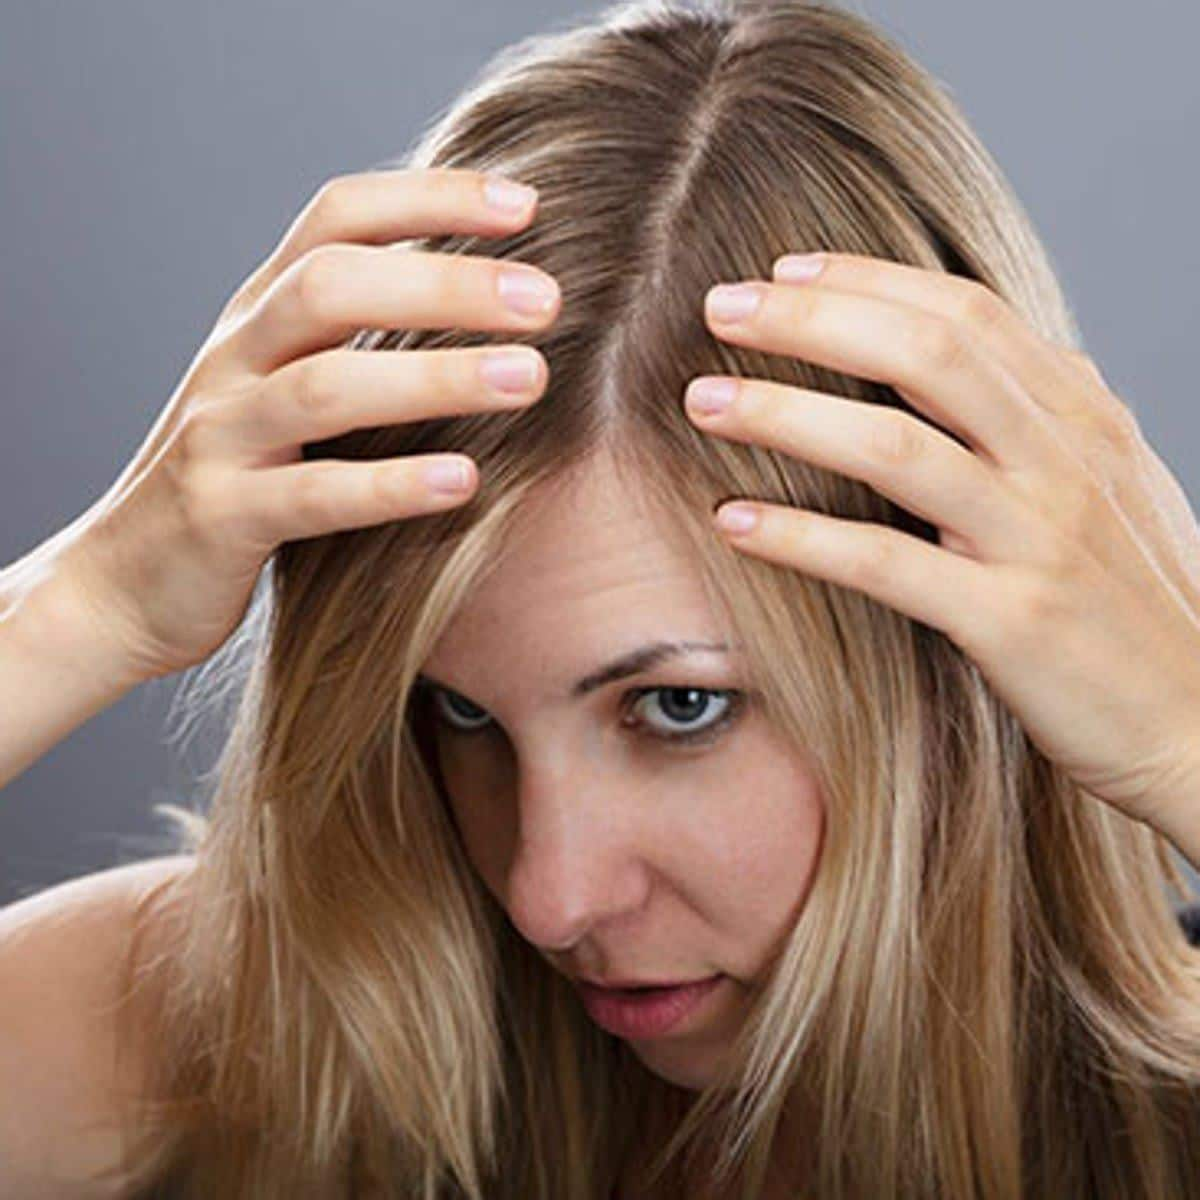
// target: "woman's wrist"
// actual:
[[57, 668]]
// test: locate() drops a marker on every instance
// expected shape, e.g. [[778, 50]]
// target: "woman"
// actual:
[[898, 813]]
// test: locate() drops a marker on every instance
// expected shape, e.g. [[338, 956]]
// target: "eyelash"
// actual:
[[703, 736]]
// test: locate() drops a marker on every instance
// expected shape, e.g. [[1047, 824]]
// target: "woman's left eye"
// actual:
[[685, 705]]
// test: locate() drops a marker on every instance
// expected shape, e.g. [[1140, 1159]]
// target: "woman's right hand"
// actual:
[[167, 559]]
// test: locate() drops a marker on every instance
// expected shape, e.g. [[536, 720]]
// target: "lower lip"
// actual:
[[644, 1014]]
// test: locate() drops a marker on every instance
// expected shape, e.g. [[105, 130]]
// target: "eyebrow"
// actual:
[[642, 659], [635, 662]]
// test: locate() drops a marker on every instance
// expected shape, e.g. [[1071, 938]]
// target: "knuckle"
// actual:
[[937, 344], [198, 503], [444, 281], [1011, 618], [317, 275], [316, 391], [1004, 627], [457, 375], [382, 489], [1087, 365], [1076, 517], [875, 562], [331, 199], [1068, 508], [440, 183], [1060, 555], [893, 440], [802, 305], [1033, 608], [435, 379], [193, 437], [430, 279], [1122, 430], [979, 307]]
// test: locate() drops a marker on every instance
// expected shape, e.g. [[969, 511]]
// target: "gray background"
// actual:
[[151, 155]]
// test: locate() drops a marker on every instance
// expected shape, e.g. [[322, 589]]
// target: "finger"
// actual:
[[899, 455], [303, 500], [385, 206], [987, 319], [323, 395], [339, 289], [938, 587], [924, 357], [1102, 402]]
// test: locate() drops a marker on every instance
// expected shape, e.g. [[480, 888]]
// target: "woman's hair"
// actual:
[[987, 993]]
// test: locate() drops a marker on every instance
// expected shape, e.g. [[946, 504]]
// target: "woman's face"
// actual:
[[615, 852]]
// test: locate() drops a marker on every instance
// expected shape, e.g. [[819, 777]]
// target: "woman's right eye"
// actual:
[[449, 708]]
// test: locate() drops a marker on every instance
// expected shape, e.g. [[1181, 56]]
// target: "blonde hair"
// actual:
[[986, 994]]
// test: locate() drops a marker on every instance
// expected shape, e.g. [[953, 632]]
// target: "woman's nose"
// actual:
[[576, 860]]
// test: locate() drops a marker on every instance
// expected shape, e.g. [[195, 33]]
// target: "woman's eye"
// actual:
[[672, 714], [448, 706], [686, 713]]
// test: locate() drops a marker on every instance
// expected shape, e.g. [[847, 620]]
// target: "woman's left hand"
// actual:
[[1068, 565]]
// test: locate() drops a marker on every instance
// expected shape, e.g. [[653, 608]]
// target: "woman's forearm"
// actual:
[[57, 670]]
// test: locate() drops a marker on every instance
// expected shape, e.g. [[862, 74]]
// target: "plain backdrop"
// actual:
[[151, 154]]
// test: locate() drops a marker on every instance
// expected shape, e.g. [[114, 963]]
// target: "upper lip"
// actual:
[[640, 983]]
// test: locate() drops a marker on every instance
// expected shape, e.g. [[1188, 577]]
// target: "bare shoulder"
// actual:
[[76, 898], [61, 951]]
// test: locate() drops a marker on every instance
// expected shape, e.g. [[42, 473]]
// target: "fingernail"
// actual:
[[526, 292], [710, 396], [798, 268], [510, 370], [507, 196], [734, 302], [736, 518], [448, 475]]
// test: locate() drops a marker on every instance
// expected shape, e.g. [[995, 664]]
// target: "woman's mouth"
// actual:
[[646, 1011]]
